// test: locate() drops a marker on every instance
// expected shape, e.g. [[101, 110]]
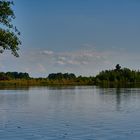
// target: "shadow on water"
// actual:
[[119, 85], [14, 87], [118, 98], [17, 87], [122, 96]]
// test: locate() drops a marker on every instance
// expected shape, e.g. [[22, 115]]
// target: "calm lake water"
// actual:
[[72, 113]]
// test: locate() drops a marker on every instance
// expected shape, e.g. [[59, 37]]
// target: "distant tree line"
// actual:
[[118, 75], [13, 75], [69, 78], [60, 76]]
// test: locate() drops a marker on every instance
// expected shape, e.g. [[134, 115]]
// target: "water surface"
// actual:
[[72, 113]]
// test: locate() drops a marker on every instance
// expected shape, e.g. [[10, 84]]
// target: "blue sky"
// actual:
[[79, 36]]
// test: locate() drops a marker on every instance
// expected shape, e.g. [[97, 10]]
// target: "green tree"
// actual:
[[118, 67], [9, 34]]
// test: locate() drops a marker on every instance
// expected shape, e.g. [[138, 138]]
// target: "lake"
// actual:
[[70, 113]]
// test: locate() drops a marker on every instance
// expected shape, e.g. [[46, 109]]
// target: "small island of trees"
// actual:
[[118, 76]]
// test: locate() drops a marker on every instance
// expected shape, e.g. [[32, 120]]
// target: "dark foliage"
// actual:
[[118, 75], [13, 75], [9, 39], [60, 76]]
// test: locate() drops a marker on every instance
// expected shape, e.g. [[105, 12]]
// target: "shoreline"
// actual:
[[66, 83]]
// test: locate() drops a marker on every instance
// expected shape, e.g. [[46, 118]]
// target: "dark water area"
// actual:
[[70, 113]]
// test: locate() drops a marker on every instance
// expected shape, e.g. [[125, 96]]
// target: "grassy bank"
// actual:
[[42, 82], [20, 83]]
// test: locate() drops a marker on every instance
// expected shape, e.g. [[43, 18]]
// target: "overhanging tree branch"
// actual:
[[9, 34]]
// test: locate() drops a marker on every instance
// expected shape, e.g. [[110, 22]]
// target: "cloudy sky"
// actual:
[[78, 36]]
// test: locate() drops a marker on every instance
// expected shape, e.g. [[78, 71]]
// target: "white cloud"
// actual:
[[75, 58], [73, 62], [60, 62], [62, 58], [47, 52]]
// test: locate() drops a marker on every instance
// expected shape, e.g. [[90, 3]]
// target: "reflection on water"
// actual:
[[14, 87], [71, 113], [118, 98]]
